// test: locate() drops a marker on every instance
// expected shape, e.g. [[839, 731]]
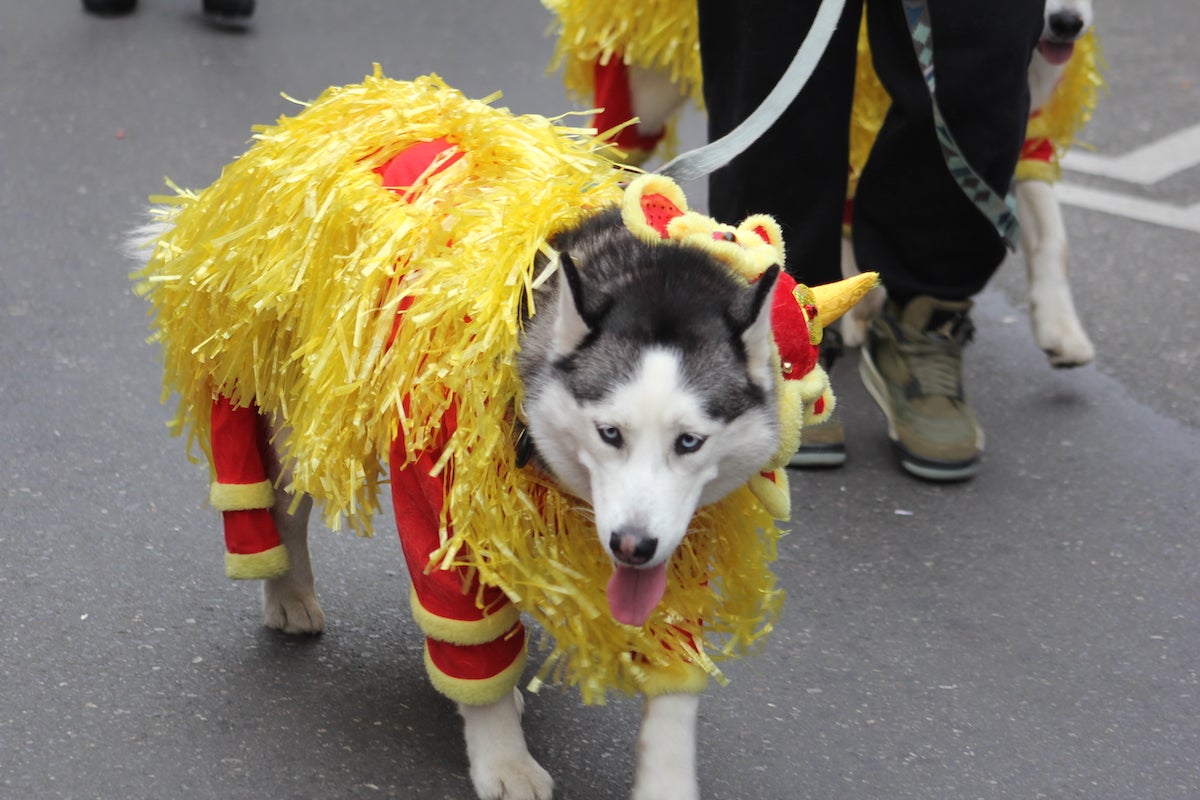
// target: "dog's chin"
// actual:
[[1056, 53], [634, 592]]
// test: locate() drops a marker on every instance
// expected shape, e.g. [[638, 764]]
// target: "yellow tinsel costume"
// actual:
[[278, 286]]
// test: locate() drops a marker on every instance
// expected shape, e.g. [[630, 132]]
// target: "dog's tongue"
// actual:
[[633, 594], [1056, 52]]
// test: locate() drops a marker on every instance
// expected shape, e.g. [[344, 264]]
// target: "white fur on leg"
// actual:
[[666, 768], [1056, 325], [290, 602], [501, 767]]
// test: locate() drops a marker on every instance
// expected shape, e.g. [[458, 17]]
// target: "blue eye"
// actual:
[[688, 443], [610, 435]]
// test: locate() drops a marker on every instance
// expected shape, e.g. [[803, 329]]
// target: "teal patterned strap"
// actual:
[[1000, 211]]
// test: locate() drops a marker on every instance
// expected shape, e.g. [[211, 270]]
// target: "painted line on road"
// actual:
[[1146, 165], [1184, 218]]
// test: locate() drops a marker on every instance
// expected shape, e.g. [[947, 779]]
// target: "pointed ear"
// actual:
[[756, 336], [570, 326]]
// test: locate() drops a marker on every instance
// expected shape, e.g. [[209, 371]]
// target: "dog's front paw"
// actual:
[[518, 777], [665, 787], [290, 609], [1057, 328]]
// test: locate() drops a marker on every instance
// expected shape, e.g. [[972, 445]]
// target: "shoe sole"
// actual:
[[926, 469], [824, 458]]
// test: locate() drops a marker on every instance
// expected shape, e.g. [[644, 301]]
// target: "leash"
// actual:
[[1000, 211], [707, 159], [702, 161]]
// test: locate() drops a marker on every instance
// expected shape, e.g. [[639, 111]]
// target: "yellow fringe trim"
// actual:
[[279, 284], [241, 496], [1033, 169], [676, 679], [477, 692], [654, 34], [271, 563], [457, 631]]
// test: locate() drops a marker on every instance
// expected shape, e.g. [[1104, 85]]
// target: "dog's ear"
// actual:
[[756, 327], [571, 325]]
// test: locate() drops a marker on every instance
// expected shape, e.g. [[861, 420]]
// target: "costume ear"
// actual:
[[649, 205], [756, 335], [570, 325], [766, 229]]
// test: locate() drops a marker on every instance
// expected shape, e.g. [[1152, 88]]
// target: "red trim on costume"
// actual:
[[478, 662], [615, 101], [1038, 149], [238, 442], [791, 330]]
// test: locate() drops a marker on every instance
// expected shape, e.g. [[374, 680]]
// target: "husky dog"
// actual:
[[604, 363], [649, 393]]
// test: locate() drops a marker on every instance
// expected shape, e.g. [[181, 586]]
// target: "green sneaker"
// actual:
[[824, 445], [912, 366]]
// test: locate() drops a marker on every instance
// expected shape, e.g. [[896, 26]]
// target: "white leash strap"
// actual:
[[702, 161]]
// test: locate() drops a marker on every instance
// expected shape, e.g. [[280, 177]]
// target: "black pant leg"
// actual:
[[912, 222], [797, 171]]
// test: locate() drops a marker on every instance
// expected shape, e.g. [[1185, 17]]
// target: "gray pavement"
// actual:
[[1034, 633]]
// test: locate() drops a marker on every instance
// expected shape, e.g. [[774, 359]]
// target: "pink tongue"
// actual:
[[633, 594], [1056, 52]]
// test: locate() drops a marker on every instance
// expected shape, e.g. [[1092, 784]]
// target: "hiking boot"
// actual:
[[912, 366], [823, 445]]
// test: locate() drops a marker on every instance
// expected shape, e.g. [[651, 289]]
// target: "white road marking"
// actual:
[[1146, 165], [1184, 218]]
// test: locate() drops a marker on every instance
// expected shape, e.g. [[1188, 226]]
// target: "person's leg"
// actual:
[[797, 171], [912, 221], [914, 224]]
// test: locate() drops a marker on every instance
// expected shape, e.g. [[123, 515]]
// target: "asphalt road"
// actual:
[[1034, 633]]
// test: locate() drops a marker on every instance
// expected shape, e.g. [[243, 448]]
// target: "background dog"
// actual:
[[1056, 325]]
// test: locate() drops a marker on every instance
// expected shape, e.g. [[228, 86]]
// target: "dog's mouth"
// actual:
[[634, 593], [1056, 52]]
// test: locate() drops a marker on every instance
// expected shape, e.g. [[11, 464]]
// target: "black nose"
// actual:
[[632, 546], [1065, 24]]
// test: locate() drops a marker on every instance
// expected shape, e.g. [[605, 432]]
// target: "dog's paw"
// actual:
[[291, 610], [513, 778], [1057, 330]]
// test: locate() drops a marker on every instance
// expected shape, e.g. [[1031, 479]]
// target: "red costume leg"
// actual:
[[475, 642], [243, 493], [615, 102]]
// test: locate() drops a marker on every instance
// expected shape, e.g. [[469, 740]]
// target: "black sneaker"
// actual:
[[229, 10], [109, 8]]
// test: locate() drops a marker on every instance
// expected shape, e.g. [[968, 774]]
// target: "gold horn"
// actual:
[[835, 299]]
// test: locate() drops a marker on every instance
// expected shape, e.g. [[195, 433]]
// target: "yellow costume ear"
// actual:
[[765, 228], [650, 203]]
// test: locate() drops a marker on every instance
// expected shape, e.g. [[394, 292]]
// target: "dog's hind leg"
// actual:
[[666, 768], [1056, 325], [501, 766], [290, 601]]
